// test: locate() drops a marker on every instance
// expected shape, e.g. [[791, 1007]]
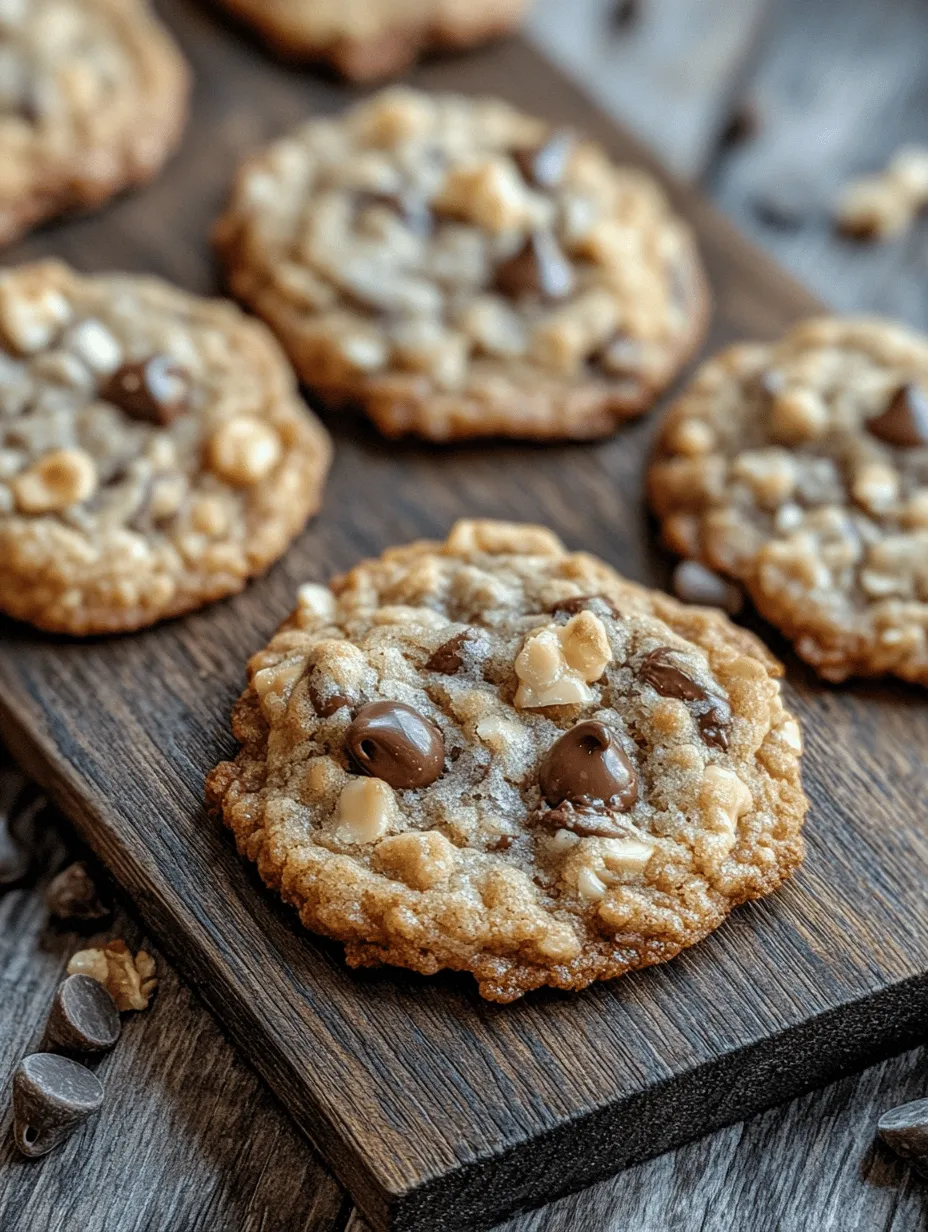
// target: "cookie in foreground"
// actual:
[[459, 269], [368, 40], [800, 468], [154, 451], [94, 101], [497, 756]]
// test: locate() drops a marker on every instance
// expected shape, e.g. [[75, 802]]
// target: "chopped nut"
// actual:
[[31, 312], [882, 206], [62, 478], [130, 981], [556, 664], [245, 450], [421, 860], [366, 808], [73, 895]]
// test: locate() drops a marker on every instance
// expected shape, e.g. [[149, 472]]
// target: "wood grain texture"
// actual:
[[838, 88], [670, 73], [166, 1153], [194, 1142], [528, 1100]]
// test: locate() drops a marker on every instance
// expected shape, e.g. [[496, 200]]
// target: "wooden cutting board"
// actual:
[[437, 1110]]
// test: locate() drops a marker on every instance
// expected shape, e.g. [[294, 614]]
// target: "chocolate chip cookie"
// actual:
[[154, 452], [93, 98], [367, 40], [498, 756], [801, 470], [459, 269]]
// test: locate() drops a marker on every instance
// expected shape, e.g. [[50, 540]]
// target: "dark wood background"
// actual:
[[135, 230]]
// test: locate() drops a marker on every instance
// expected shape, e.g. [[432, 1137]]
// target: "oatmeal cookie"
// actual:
[[368, 40], [801, 470], [460, 269], [154, 452], [494, 755], [93, 99]]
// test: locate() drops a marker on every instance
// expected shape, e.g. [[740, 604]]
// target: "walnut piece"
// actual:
[[130, 981]]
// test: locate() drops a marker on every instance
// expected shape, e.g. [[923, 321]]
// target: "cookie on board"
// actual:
[[497, 756], [93, 99], [459, 269], [801, 469], [154, 451]]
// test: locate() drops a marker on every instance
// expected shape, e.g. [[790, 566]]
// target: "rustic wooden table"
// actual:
[[835, 87]]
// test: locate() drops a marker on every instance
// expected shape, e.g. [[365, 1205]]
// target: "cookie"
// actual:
[[93, 99], [367, 40], [154, 452], [801, 470], [497, 756], [459, 269]]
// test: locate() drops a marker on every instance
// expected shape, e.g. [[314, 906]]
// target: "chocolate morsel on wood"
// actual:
[[83, 1018], [52, 1095], [905, 1131], [73, 895]]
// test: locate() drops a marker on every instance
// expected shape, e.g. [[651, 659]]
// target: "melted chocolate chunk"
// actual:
[[588, 764], [449, 657], [154, 390], [539, 269], [905, 420], [545, 165], [393, 742], [661, 673], [588, 818]]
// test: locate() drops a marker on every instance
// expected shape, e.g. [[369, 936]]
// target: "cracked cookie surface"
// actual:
[[154, 451], [497, 756], [93, 99], [801, 469], [459, 269], [367, 40]]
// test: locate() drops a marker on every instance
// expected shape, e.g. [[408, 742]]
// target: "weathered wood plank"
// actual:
[[670, 74], [839, 87], [189, 1139], [195, 1142]]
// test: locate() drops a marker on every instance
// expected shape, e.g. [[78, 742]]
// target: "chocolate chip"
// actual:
[[15, 859], [625, 13], [715, 724], [83, 1018], [153, 390], [539, 269], [661, 673], [905, 1130], [546, 165], [581, 603], [326, 704], [412, 209], [72, 895], [52, 1095], [743, 124], [588, 818], [905, 420], [15, 856], [449, 657], [694, 583], [393, 742], [588, 764]]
